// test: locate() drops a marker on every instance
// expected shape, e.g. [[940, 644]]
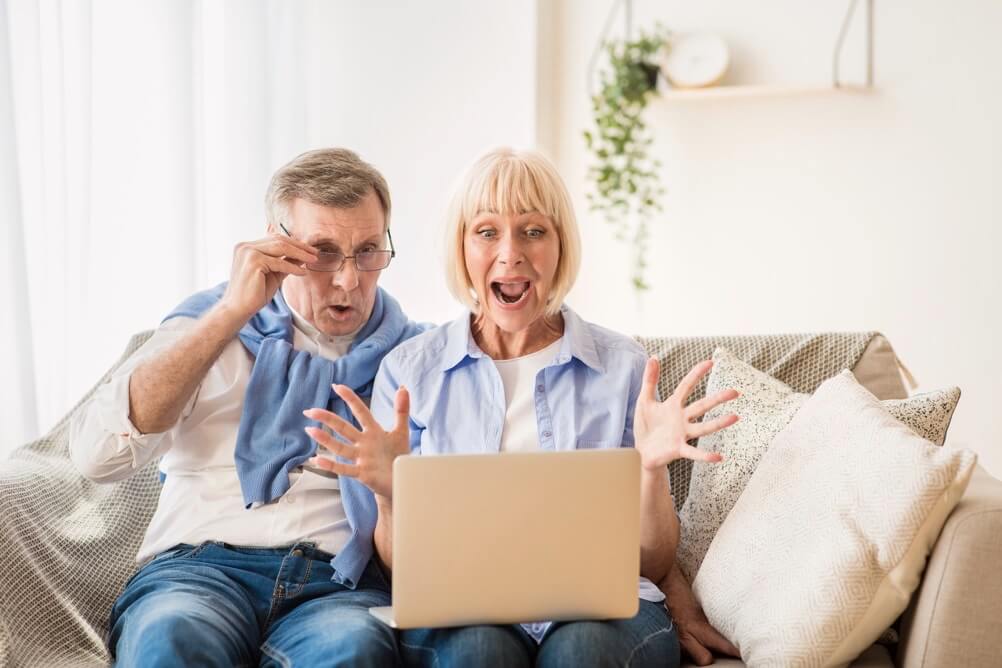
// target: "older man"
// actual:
[[252, 558]]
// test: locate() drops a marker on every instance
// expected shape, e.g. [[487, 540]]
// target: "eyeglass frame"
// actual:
[[345, 258]]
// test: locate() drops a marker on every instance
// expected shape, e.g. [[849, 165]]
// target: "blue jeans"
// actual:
[[220, 605], [648, 639]]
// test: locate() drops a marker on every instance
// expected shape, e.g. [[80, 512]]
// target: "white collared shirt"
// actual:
[[201, 497]]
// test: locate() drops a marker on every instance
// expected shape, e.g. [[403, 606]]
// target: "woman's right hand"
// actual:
[[371, 451]]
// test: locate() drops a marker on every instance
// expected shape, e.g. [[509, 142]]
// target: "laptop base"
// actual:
[[385, 615]]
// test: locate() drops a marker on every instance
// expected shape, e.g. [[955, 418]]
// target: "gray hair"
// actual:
[[334, 177]]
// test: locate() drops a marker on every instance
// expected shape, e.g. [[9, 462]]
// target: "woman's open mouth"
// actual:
[[511, 293]]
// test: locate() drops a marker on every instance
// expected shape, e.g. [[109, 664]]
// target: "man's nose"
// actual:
[[346, 277]]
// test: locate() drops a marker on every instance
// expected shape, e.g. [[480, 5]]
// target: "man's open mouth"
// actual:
[[510, 292]]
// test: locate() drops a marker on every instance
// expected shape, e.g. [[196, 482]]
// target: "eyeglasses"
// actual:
[[369, 260]]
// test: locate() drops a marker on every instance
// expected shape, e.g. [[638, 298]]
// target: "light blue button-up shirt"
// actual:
[[584, 398]]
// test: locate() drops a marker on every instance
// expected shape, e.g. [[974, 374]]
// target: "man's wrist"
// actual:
[[228, 320]]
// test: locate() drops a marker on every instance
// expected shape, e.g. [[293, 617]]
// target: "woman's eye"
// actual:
[[487, 234], [535, 234]]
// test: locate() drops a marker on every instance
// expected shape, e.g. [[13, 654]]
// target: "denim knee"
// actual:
[[165, 632], [465, 646], [649, 639], [346, 638]]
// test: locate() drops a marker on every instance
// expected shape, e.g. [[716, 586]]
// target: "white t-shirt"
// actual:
[[201, 497], [518, 376]]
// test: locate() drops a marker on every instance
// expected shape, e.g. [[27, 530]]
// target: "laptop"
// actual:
[[519, 537]]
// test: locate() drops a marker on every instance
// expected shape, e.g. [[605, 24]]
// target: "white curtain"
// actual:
[[135, 136], [138, 137]]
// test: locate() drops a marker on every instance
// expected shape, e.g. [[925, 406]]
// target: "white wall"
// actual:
[[418, 90], [426, 87], [829, 211], [165, 120]]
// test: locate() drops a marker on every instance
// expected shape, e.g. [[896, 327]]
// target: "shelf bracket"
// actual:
[[836, 79]]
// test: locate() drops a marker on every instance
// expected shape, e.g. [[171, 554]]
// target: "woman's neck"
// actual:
[[501, 345]]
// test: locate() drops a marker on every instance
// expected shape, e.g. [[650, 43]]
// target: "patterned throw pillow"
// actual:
[[830, 537], [766, 406]]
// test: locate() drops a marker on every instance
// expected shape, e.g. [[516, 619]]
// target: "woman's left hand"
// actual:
[[662, 429], [370, 451]]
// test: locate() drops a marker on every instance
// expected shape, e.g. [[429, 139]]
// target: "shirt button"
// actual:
[[290, 499], [539, 388], [547, 434]]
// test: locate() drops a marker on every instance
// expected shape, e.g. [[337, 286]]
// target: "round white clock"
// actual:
[[695, 60]]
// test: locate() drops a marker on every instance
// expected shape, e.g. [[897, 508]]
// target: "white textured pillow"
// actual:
[[766, 405], [826, 544]]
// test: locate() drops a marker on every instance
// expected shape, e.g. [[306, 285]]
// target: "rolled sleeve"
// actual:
[[104, 445]]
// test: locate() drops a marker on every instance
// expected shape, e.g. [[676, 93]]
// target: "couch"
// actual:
[[67, 546]]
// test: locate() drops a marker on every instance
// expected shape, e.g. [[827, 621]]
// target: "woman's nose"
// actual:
[[511, 253]]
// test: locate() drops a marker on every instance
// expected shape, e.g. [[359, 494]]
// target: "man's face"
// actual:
[[339, 302]]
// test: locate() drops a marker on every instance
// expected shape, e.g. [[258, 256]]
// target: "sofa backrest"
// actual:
[[802, 361]]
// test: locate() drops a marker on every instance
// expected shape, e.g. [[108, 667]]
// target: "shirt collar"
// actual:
[[577, 342], [459, 343]]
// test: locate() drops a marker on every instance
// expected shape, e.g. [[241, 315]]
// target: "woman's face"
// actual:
[[512, 262]]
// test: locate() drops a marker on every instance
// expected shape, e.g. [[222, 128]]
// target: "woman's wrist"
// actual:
[[655, 479]]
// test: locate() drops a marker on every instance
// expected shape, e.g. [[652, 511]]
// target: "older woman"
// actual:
[[523, 372]]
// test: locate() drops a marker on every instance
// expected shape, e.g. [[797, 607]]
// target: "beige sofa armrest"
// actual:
[[955, 616]]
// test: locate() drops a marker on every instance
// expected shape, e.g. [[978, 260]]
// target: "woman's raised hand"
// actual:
[[662, 429], [370, 451]]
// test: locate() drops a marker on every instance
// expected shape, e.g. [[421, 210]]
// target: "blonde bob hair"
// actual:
[[506, 181]]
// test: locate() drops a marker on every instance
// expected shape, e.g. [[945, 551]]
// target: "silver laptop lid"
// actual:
[[515, 537]]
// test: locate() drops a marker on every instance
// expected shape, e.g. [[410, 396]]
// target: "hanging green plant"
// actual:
[[627, 186]]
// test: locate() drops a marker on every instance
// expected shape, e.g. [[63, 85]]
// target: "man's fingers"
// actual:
[[649, 385], [277, 265], [282, 247], [711, 426], [701, 407], [357, 406], [326, 464], [329, 442], [278, 234], [692, 379], [335, 422], [402, 405]]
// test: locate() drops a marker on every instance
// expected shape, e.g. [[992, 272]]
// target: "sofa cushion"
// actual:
[[826, 544], [802, 361], [765, 407]]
